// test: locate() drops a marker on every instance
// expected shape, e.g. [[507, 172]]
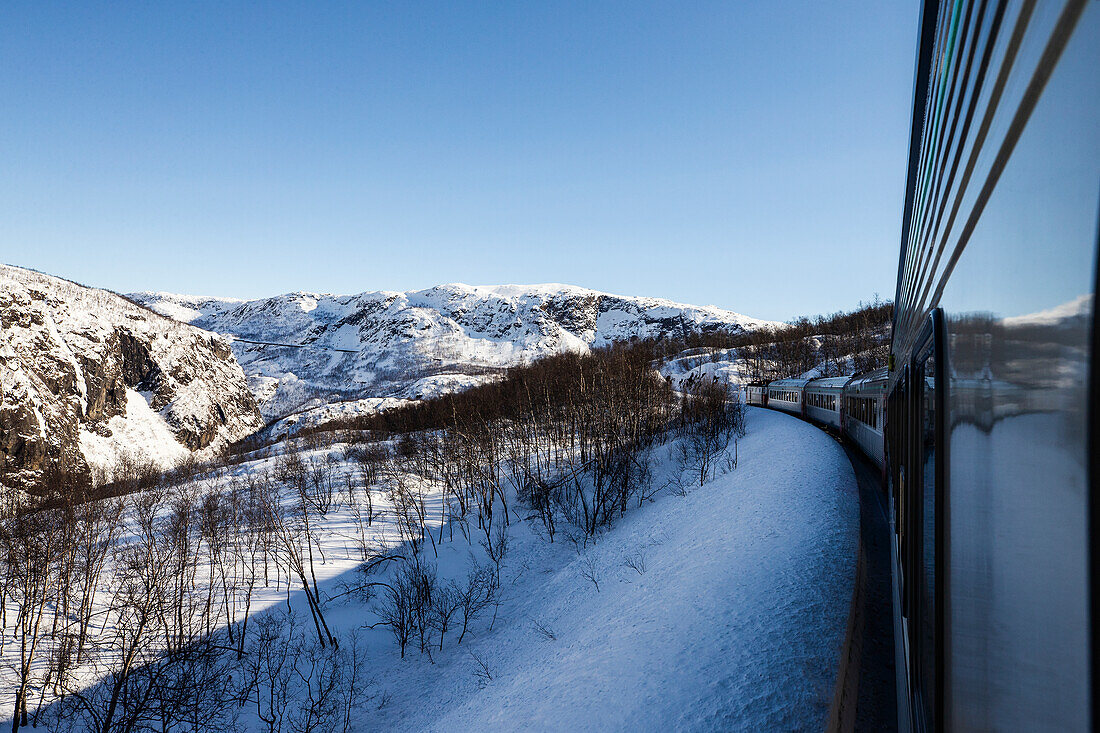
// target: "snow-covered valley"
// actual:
[[589, 531]]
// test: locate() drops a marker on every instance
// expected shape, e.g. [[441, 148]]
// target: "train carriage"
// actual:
[[786, 395], [986, 422], [864, 415], [756, 394], [823, 400]]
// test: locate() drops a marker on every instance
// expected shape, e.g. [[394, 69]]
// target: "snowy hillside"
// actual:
[[415, 344], [87, 377], [722, 607], [705, 364]]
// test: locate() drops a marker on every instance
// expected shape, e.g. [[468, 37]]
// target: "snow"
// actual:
[[695, 364], [736, 624], [142, 434], [439, 384], [315, 416], [399, 338], [735, 620], [168, 304]]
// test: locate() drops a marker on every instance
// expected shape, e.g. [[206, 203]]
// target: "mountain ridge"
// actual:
[[417, 343]]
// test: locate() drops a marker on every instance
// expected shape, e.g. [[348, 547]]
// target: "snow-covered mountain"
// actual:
[[415, 344], [87, 376]]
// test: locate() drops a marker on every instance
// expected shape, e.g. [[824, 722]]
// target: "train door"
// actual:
[[924, 571]]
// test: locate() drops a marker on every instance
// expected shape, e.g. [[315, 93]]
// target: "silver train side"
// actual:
[[992, 453]]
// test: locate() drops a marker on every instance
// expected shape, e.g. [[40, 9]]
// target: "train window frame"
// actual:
[[931, 342]]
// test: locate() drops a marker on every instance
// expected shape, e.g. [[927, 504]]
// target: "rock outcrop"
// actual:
[[76, 361]]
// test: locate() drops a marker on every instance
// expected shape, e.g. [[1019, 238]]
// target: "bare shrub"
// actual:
[[711, 415], [636, 562], [482, 672], [479, 591], [543, 630], [590, 571]]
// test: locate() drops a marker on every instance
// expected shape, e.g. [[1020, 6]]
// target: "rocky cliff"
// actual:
[[88, 378]]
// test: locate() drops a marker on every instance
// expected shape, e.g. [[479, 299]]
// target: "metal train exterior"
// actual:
[[991, 422], [786, 395], [864, 416]]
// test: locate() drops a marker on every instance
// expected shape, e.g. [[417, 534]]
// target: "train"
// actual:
[[854, 406], [986, 421], [991, 439]]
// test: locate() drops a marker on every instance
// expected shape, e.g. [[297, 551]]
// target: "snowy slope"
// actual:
[[735, 620], [87, 376], [736, 623], [453, 335], [315, 416], [722, 365]]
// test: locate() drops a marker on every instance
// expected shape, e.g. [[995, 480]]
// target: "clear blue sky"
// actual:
[[749, 155]]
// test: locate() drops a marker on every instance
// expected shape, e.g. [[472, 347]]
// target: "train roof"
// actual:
[[833, 382], [793, 383], [871, 379]]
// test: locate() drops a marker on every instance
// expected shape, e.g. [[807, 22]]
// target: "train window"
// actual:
[[901, 486], [926, 616], [926, 501]]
